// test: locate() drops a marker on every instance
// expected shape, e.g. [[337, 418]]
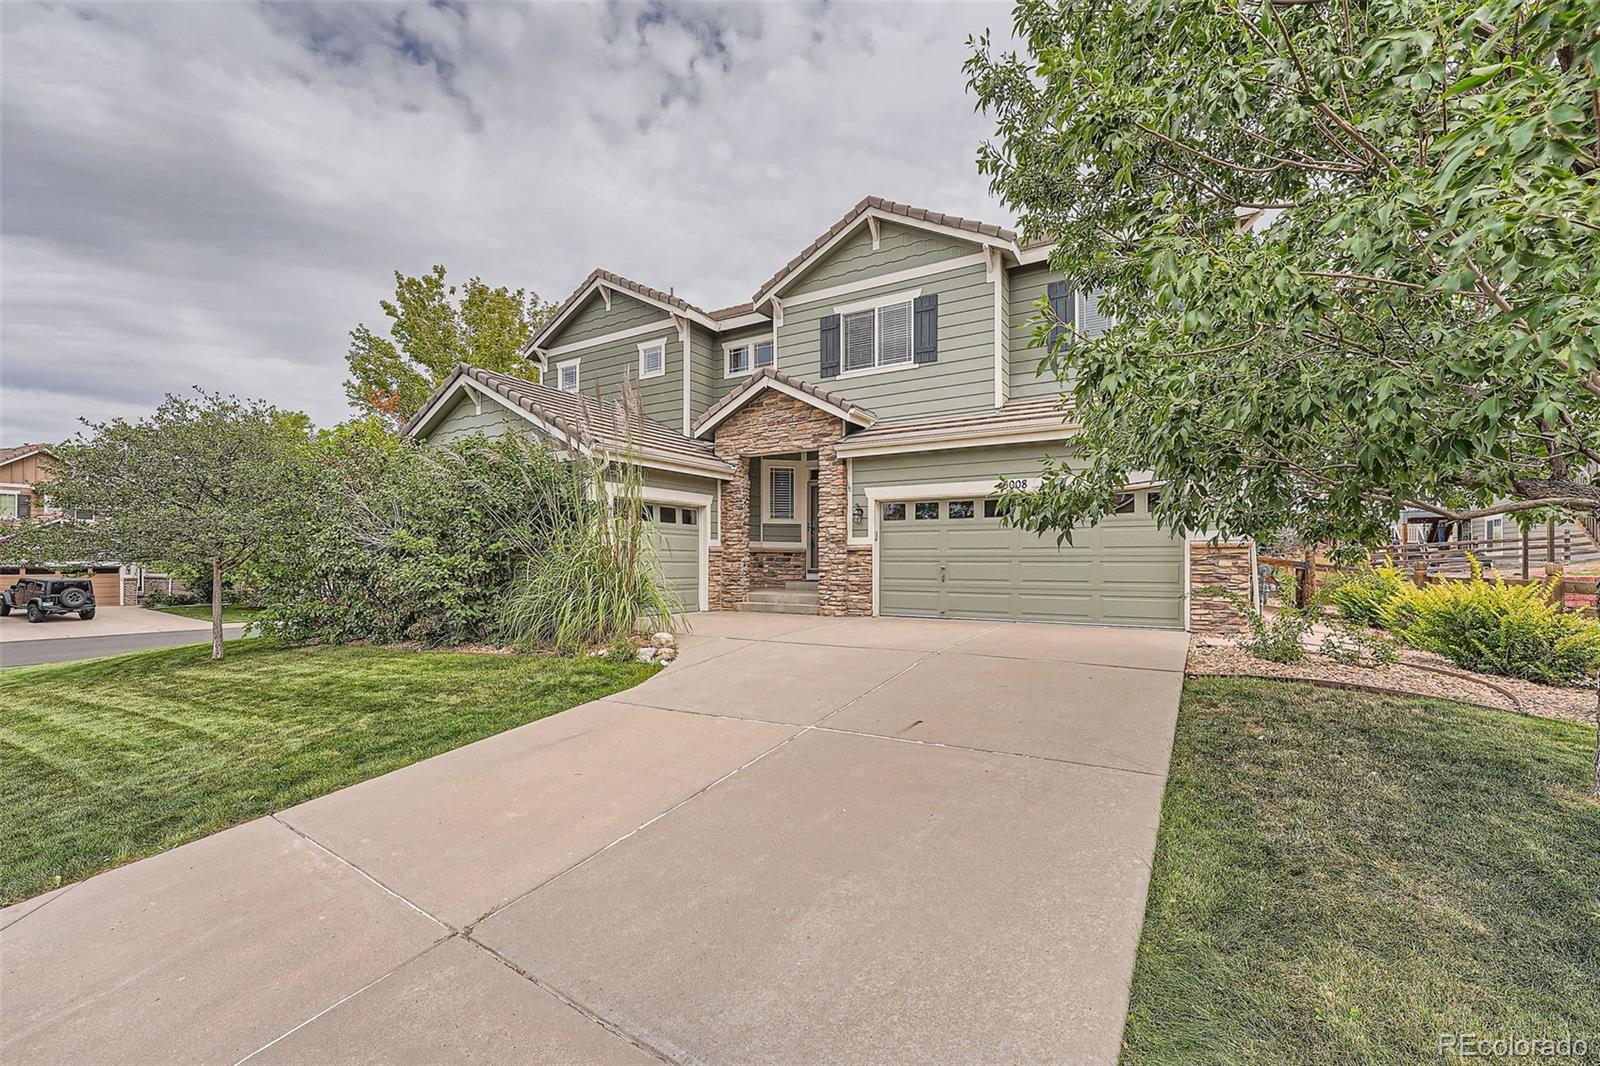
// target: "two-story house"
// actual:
[[834, 445]]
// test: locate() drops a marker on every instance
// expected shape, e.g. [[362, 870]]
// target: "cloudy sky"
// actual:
[[217, 193]]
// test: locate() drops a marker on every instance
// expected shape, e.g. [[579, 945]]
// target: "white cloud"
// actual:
[[215, 194]]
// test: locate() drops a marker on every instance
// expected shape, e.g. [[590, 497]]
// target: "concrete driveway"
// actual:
[[112, 631], [840, 840]]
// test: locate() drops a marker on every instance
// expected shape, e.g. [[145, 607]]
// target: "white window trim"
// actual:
[[644, 346], [750, 359], [796, 470], [577, 375], [874, 305], [749, 345]]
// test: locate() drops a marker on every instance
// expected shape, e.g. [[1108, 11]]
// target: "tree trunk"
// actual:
[[216, 608]]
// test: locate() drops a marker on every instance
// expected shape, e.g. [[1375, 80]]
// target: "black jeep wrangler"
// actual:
[[40, 596]]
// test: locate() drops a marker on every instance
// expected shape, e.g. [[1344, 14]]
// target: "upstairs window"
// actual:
[[567, 376], [746, 356], [878, 336], [652, 359]]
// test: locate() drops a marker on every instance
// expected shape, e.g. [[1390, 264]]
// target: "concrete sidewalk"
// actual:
[[809, 840]]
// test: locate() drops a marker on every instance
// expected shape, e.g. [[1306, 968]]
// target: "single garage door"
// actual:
[[678, 550], [954, 559]]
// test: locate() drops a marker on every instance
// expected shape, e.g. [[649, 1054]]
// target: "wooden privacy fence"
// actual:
[[1504, 556], [1567, 593]]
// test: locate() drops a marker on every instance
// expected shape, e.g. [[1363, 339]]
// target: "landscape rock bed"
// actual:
[[1416, 674]]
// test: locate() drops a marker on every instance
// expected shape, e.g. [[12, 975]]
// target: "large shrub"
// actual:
[[1496, 628], [411, 543], [1360, 596]]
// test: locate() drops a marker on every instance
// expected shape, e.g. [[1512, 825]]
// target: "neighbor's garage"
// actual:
[[952, 558], [107, 580], [678, 550]]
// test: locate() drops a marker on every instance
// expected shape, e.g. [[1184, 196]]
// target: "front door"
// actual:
[[811, 526]]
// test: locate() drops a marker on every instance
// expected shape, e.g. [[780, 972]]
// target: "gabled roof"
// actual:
[[598, 277], [770, 378], [22, 451], [1019, 422], [578, 421], [878, 207]]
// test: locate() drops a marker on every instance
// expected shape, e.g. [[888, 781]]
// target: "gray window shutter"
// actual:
[[927, 328], [1060, 295], [829, 346], [24, 505]]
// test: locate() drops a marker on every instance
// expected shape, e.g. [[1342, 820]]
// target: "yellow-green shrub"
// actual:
[[1360, 596], [1496, 628]]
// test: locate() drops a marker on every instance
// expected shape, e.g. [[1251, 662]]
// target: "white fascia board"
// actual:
[[872, 216], [467, 384], [750, 318], [554, 325], [948, 443], [608, 338], [658, 461], [1038, 254], [909, 274]]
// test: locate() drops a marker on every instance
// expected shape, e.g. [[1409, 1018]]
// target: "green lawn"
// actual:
[[1341, 876], [115, 759], [231, 612]]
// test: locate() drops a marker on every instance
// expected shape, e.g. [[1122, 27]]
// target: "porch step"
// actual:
[[769, 607], [808, 585], [783, 595]]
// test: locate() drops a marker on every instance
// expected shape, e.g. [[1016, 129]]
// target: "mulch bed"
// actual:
[[1417, 674]]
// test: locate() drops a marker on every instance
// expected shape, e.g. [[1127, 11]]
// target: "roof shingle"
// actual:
[[585, 419]]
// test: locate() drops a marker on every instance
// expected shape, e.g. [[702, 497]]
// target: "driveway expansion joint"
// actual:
[[320, 846]]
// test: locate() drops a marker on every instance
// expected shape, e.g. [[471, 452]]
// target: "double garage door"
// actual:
[[678, 550], [953, 558]]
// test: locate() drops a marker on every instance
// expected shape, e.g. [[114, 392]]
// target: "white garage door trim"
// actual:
[[698, 501], [881, 494]]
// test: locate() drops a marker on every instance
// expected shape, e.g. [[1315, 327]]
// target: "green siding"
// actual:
[[593, 320], [603, 369], [721, 385], [962, 379], [899, 248], [1027, 287], [463, 420], [704, 352], [966, 464], [668, 479]]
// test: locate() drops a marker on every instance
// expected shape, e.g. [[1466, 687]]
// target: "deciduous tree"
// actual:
[[205, 480], [433, 326], [1352, 248]]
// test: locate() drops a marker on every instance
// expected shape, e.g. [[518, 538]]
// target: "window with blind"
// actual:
[[878, 337], [567, 376], [780, 493], [652, 359], [745, 357]]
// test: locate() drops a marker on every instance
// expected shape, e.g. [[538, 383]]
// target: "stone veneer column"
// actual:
[[833, 586], [731, 580], [1218, 566]]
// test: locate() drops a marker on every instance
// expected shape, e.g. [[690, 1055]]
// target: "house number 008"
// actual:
[[1018, 484]]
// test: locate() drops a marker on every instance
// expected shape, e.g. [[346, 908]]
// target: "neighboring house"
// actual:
[[835, 444], [20, 469]]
